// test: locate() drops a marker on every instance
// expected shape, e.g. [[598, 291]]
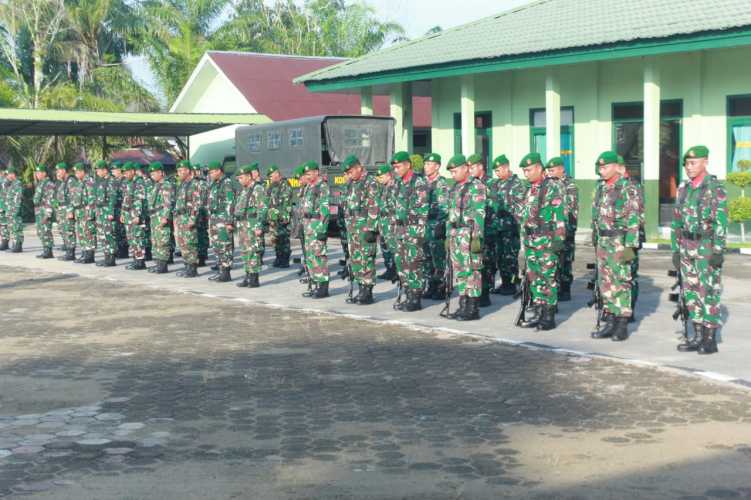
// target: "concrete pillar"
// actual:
[[552, 116], [651, 168], [467, 106], [401, 111], [366, 101]]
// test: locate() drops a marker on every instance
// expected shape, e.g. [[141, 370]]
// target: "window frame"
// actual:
[[543, 131], [733, 121]]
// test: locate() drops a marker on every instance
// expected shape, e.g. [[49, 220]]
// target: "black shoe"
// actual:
[[136, 265], [322, 290], [283, 262], [709, 341], [224, 275], [440, 291], [171, 259], [122, 253], [564, 293], [301, 271], [472, 310], [276, 262], [46, 254], [605, 330], [244, 282], [532, 316], [414, 302], [692, 344], [88, 257], [191, 271], [201, 261], [161, 267], [110, 261], [147, 255], [253, 280], [215, 267], [17, 248], [70, 255], [431, 290], [484, 299], [461, 311], [3, 244], [620, 329], [547, 319], [365, 296]]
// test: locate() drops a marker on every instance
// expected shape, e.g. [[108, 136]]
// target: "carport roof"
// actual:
[[92, 123]]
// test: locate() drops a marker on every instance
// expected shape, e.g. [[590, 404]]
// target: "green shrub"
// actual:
[[417, 163], [743, 165], [739, 210], [740, 179]]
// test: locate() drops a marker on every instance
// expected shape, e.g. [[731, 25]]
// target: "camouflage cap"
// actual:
[[155, 166], [310, 165], [215, 165], [500, 160], [79, 166], [40, 168], [383, 170], [61, 166], [101, 164], [434, 157], [696, 152], [456, 161], [349, 162], [555, 161], [116, 165], [128, 165], [400, 156], [606, 158], [271, 169], [474, 159], [184, 164], [246, 169], [530, 159]]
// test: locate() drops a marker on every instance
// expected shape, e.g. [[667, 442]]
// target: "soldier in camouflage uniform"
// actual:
[[360, 207], [543, 233], [44, 197], [105, 197], [556, 168], [221, 209], [615, 233], [161, 202], [187, 214], [296, 230], [4, 233], [120, 234], [133, 216], [637, 191], [83, 200], [509, 193], [410, 217], [250, 215], [13, 198], [315, 219], [435, 234], [202, 229], [698, 239], [385, 199], [64, 215], [477, 170], [279, 195], [142, 176], [467, 209]]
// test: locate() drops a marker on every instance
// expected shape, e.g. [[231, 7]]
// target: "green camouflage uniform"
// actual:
[[63, 207], [315, 218], [44, 197], [161, 202], [105, 196], [4, 233], [134, 207], [435, 234], [121, 236], [571, 213], [490, 235], [83, 201], [615, 226], [13, 204], [279, 195], [202, 230], [360, 207], [250, 214], [466, 224], [638, 193], [187, 215], [386, 220], [543, 227], [699, 231], [221, 199], [509, 195], [410, 217], [148, 186]]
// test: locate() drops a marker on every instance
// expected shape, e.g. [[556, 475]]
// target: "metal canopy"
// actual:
[[47, 122]]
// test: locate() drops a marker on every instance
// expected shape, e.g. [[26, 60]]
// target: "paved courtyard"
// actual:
[[114, 390]]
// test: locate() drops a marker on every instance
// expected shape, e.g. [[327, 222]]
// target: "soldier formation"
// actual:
[[438, 237]]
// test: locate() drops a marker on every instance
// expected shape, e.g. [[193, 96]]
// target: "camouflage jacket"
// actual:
[[3, 185], [83, 198], [510, 195], [360, 203], [541, 216], [252, 206], [13, 196], [386, 208], [188, 201], [467, 207], [134, 200], [161, 199], [700, 216], [148, 186], [637, 191], [411, 203], [314, 204], [221, 201], [491, 204], [203, 194], [279, 196], [117, 192], [106, 195], [571, 203], [63, 191], [44, 197], [615, 208], [438, 200]]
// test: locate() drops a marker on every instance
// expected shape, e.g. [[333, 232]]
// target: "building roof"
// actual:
[[547, 27], [266, 82], [92, 123]]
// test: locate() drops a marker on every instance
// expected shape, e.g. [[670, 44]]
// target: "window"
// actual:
[[295, 137], [739, 133], [255, 143], [483, 136], [273, 139], [357, 137], [538, 132]]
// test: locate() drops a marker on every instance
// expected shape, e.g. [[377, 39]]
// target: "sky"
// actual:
[[416, 16]]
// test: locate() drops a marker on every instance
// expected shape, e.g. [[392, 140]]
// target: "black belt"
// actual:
[[458, 225], [695, 236], [540, 230], [611, 233], [309, 216], [357, 213]]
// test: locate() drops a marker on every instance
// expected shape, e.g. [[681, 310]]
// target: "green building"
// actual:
[[647, 78]]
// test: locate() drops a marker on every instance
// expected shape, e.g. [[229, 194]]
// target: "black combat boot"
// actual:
[[139, 265], [430, 291], [103, 262], [88, 257], [191, 271], [564, 292], [440, 291], [81, 258], [414, 301], [620, 329], [122, 252], [284, 261], [224, 275], [109, 260], [532, 316], [276, 261], [366, 295], [201, 261], [322, 290], [507, 286], [692, 344], [70, 254], [253, 280], [3, 244], [484, 299], [147, 255], [46, 254], [171, 259], [471, 309], [547, 318], [244, 282], [17, 247], [709, 341], [161, 267], [461, 310], [606, 330]]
